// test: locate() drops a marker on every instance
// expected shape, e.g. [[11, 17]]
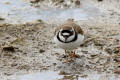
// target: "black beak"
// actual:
[[66, 36]]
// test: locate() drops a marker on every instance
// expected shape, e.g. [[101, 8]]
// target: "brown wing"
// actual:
[[78, 28]]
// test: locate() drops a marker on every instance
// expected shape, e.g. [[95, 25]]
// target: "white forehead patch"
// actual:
[[66, 34]]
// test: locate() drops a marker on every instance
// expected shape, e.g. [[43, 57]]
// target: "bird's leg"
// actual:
[[66, 56], [73, 54]]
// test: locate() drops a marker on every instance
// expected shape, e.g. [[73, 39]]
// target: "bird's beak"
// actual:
[[65, 39]]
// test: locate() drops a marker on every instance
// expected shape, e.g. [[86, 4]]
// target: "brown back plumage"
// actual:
[[68, 25]]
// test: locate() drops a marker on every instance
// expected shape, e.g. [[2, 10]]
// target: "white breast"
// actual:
[[71, 45]]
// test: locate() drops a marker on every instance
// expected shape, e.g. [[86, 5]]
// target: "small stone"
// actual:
[[117, 50], [9, 49], [54, 63], [24, 53], [77, 2], [41, 51], [100, 0], [94, 55], [7, 3], [61, 1], [112, 14], [7, 38], [8, 74], [34, 1], [13, 65], [63, 73]]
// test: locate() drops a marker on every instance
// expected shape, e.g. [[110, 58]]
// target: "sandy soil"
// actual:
[[29, 48], [34, 49]]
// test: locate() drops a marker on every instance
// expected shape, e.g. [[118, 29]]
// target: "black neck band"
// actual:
[[74, 39]]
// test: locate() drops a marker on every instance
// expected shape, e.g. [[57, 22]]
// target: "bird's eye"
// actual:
[[71, 32]]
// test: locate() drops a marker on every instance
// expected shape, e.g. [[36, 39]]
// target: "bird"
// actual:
[[69, 36]]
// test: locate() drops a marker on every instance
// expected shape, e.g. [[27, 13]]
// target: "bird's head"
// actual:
[[67, 34]]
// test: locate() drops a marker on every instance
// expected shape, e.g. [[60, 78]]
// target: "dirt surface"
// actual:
[[29, 48]]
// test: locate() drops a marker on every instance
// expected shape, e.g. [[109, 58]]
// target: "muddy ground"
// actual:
[[29, 48]]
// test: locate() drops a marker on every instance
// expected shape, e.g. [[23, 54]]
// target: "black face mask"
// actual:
[[67, 31]]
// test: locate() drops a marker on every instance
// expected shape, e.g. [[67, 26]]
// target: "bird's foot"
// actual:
[[73, 55]]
